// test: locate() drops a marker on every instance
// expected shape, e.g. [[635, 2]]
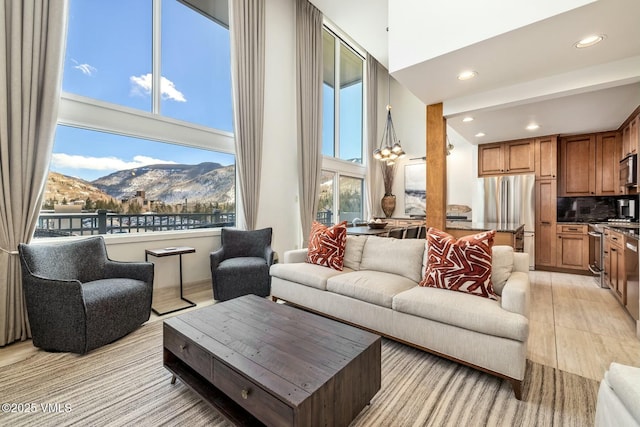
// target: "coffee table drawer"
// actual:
[[259, 402], [188, 352]]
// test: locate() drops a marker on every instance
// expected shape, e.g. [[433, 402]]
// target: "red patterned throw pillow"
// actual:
[[462, 265], [326, 245]]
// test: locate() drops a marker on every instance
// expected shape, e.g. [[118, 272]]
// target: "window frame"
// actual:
[[335, 207], [89, 113], [335, 165]]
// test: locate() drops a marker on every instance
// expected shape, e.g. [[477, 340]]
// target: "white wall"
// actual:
[[409, 120], [462, 170]]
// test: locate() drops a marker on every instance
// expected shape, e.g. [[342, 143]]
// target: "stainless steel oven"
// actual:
[[596, 254]]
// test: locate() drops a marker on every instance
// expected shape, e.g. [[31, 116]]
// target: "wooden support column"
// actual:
[[436, 167]]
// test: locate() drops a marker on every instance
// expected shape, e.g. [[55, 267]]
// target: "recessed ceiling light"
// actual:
[[466, 75], [590, 41], [467, 119], [533, 126], [479, 134]]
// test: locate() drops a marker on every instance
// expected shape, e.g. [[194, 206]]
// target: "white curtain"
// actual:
[[373, 181], [309, 109], [247, 27], [32, 40]]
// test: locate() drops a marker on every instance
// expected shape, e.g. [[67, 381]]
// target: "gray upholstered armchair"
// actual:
[[78, 299], [241, 265]]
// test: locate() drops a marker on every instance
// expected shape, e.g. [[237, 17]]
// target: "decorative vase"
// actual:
[[388, 204]]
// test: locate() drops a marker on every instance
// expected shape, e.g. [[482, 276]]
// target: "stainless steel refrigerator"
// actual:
[[507, 200]]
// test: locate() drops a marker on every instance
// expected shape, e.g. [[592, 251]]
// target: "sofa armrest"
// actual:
[[295, 255], [521, 262], [516, 293]]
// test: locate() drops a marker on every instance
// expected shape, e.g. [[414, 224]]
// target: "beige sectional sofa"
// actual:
[[378, 290]]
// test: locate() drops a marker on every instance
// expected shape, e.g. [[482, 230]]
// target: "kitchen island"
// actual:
[[510, 234]]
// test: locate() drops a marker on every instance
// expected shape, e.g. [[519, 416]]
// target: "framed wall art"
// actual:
[[415, 185]]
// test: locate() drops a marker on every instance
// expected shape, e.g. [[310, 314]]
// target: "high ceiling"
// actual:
[[528, 74]]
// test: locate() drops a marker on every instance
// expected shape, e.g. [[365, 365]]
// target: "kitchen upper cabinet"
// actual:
[[545, 227], [630, 136], [490, 159], [607, 166], [546, 158], [577, 159], [589, 165], [506, 158], [572, 247]]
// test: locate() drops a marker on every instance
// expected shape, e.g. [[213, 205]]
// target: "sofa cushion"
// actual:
[[395, 256], [501, 266], [462, 265], [462, 310], [306, 274], [370, 286], [326, 245], [353, 251]]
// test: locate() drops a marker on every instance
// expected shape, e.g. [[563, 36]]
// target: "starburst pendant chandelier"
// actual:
[[390, 149]]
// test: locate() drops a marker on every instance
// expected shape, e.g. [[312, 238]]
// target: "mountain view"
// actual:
[[169, 184]]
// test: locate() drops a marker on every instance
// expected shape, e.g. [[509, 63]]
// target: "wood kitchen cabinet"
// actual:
[[614, 265], [607, 166], [577, 159], [630, 137], [546, 157], [572, 246], [511, 157], [545, 228], [589, 165]]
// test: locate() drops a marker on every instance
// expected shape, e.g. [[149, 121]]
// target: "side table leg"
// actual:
[[173, 379]]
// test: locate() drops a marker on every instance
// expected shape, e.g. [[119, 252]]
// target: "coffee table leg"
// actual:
[[173, 379]]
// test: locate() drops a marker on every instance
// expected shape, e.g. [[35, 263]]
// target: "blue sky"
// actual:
[[108, 57]]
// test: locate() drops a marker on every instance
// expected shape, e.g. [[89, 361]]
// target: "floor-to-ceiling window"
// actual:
[[342, 182], [145, 117]]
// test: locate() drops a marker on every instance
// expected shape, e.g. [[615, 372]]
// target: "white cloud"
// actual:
[[62, 160], [86, 69], [142, 85]]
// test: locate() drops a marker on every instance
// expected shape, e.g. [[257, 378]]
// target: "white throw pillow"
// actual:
[[353, 251], [396, 256]]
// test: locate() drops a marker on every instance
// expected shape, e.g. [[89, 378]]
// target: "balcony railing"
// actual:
[[104, 222]]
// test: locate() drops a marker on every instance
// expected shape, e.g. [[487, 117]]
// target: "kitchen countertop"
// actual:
[[484, 226], [629, 230]]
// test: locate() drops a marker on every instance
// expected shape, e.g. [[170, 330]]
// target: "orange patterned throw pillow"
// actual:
[[462, 265], [326, 245]]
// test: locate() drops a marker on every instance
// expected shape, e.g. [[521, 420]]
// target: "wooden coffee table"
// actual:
[[256, 361]]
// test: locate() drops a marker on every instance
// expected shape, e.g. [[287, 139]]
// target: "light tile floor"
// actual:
[[579, 327]]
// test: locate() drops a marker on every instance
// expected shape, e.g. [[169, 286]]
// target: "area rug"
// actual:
[[125, 384]]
